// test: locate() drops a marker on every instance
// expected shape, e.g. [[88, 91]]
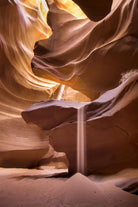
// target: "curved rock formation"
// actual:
[[111, 129], [51, 113], [85, 55], [95, 10], [89, 56], [21, 25]]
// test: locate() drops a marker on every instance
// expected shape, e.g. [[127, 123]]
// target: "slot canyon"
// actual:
[[68, 103]]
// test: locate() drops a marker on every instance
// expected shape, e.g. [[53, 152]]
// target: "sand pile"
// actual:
[[78, 191]]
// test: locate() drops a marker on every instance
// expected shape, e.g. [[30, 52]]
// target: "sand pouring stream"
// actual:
[[81, 136], [81, 141]]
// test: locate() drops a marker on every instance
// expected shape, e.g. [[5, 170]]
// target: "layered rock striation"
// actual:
[[86, 55], [21, 25]]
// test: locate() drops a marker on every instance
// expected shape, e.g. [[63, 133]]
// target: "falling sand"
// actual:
[[81, 141]]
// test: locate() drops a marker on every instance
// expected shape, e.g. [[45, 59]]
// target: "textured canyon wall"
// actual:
[[21, 25], [71, 49], [89, 56], [111, 127]]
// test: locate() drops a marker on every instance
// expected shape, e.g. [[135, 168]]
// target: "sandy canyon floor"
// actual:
[[26, 188]]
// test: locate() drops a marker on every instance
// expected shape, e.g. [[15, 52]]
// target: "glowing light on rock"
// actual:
[[42, 5], [59, 97], [71, 7]]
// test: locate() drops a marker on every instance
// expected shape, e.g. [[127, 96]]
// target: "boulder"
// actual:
[[51, 113]]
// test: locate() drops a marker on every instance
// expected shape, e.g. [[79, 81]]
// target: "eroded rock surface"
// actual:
[[86, 55], [95, 10], [51, 113], [20, 145], [111, 128]]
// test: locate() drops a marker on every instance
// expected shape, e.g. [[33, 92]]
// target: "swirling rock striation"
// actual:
[[21, 25], [89, 56]]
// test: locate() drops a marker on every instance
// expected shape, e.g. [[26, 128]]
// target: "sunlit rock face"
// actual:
[[21, 25], [89, 56], [111, 127]]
